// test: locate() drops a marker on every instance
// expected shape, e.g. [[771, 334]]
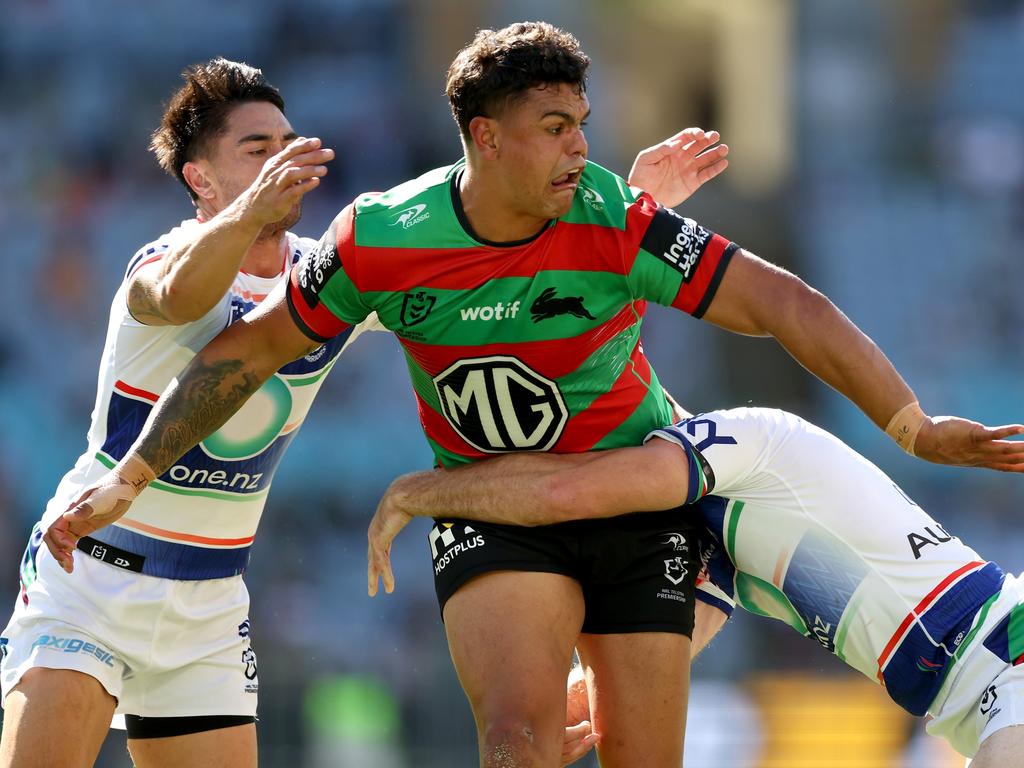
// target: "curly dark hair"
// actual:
[[197, 112], [499, 66]]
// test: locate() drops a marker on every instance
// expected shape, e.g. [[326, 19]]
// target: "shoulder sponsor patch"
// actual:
[[316, 269], [678, 241]]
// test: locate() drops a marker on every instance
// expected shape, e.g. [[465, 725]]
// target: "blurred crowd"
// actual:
[[877, 150]]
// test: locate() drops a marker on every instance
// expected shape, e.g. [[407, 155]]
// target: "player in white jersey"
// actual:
[[153, 624], [800, 528]]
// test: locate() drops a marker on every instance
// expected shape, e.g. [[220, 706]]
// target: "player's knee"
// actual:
[[510, 742]]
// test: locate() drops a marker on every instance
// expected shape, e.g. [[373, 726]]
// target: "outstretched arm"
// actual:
[[760, 299], [530, 489], [202, 398]]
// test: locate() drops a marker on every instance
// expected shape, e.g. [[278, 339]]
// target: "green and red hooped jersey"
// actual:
[[533, 345]]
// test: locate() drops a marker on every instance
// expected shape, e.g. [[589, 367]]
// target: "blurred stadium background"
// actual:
[[877, 150]]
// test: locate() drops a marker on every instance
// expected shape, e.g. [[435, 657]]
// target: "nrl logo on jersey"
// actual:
[[592, 198], [415, 307], [676, 570], [411, 216]]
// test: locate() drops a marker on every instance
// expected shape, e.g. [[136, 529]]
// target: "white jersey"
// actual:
[[198, 519], [805, 530]]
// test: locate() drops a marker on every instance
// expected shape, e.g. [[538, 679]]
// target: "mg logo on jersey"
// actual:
[[411, 216], [592, 198], [415, 307], [497, 404]]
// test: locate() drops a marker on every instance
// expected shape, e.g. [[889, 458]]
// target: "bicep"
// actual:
[[755, 296]]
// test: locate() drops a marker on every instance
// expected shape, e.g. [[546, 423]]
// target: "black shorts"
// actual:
[[637, 571]]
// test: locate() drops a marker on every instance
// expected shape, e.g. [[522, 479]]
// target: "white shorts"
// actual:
[[161, 647], [985, 692]]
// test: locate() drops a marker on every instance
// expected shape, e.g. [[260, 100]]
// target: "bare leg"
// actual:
[[55, 717], [1003, 749], [511, 637], [708, 622], [638, 691], [222, 748]]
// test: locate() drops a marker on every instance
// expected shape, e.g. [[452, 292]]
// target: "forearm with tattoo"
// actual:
[[193, 407]]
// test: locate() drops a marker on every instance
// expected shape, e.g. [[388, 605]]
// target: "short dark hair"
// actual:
[[499, 66], [198, 111]]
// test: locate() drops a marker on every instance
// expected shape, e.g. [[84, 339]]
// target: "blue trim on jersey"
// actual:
[[998, 640], [720, 568], [141, 254], [948, 621], [319, 358], [171, 560], [714, 602]]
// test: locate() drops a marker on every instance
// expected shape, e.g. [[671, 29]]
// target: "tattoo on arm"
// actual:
[[205, 396]]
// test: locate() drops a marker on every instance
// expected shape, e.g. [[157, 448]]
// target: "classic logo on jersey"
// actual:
[[678, 542], [411, 216], [415, 307], [317, 268], [498, 404], [678, 241], [548, 305], [592, 198], [499, 311], [448, 541], [3, 647]]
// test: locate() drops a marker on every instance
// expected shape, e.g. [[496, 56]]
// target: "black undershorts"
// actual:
[[637, 571]]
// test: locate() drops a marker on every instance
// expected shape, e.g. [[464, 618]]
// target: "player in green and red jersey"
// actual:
[[516, 281]]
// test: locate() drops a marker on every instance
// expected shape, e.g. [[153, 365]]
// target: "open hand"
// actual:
[[677, 167], [952, 440], [579, 739], [285, 178], [98, 506], [387, 522]]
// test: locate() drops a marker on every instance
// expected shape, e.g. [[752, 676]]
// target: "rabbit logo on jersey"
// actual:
[[448, 541]]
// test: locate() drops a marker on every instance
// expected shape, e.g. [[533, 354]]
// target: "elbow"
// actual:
[[179, 307]]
